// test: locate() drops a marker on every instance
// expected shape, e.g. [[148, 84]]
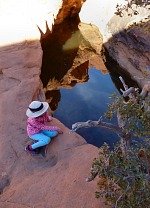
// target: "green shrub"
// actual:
[[124, 172], [124, 178]]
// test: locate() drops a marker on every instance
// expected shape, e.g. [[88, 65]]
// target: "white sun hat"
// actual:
[[36, 108]]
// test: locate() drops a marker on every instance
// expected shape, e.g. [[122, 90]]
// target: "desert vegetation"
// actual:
[[123, 171]]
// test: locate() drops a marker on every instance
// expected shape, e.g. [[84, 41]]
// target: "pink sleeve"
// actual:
[[50, 128], [41, 126], [47, 117]]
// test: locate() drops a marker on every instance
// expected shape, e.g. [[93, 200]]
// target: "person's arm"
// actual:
[[47, 117], [41, 126]]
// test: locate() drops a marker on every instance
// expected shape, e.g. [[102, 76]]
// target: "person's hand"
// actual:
[[60, 131], [50, 118]]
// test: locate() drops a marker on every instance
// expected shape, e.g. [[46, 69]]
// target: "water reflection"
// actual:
[[76, 82], [56, 61], [52, 90], [88, 101], [67, 56]]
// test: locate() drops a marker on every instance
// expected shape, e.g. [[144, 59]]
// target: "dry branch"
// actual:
[[131, 93], [99, 124]]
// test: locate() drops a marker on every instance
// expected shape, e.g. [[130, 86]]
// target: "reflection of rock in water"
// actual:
[[68, 52], [53, 98], [57, 62], [78, 75]]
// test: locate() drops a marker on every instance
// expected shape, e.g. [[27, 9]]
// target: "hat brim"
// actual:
[[38, 113]]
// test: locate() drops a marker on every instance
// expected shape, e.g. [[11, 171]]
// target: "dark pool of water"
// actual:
[[88, 101], [80, 94]]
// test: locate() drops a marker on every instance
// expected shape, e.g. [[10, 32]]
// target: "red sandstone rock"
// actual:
[[59, 179]]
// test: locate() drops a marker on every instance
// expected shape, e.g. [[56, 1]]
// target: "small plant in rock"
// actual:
[[130, 7], [135, 114]]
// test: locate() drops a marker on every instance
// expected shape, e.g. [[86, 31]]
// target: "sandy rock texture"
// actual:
[[55, 181], [59, 179]]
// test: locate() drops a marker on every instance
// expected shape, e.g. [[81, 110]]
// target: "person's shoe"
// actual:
[[33, 151]]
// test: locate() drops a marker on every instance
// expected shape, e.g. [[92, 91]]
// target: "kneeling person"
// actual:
[[36, 128]]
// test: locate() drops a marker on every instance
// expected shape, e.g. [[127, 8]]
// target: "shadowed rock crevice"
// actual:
[[116, 71], [4, 182]]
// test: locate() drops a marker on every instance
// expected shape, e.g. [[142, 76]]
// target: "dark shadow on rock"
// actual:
[[131, 49], [4, 182], [116, 71], [53, 97]]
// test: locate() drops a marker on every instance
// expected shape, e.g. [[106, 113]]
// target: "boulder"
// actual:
[[131, 49], [126, 37]]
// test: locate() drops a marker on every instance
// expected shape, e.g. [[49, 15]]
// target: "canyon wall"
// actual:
[[59, 179]]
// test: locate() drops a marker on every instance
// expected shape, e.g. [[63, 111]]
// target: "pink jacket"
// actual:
[[35, 125]]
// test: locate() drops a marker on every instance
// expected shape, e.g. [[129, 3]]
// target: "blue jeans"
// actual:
[[43, 138]]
